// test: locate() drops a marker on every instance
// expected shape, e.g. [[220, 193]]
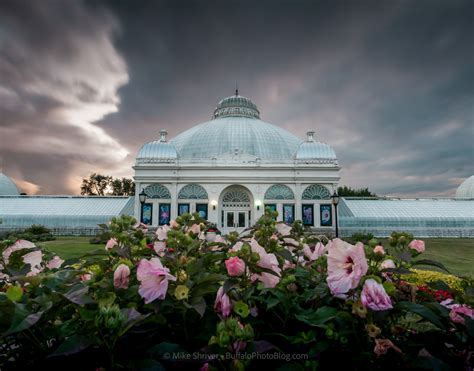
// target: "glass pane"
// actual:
[[308, 215], [183, 209], [288, 214], [147, 213], [164, 214], [230, 219], [201, 209], [242, 219]]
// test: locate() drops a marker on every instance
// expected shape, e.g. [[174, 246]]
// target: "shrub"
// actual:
[[35, 233], [275, 298], [421, 277], [362, 237]]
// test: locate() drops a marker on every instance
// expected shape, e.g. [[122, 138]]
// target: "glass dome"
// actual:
[[236, 132], [236, 135], [236, 105], [466, 189], [7, 186]]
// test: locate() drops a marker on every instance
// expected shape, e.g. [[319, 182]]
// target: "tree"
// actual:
[[102, 185], [351, 192], [123, 187], [96, 185]]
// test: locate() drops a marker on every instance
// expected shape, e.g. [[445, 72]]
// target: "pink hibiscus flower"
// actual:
[[346, 266], [238, 245], [222, 304], [417, 245], [34, 259], [18, 245], [160, 248], [267, 261], [314, 253], [457, 310], [54, 263], [374, 296], [153, 279], [111, 244], [195, 228], [121, 276], [174, 224], [162, 232], [283, 229], [235, 266]]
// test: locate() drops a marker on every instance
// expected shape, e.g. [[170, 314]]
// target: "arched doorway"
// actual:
[[235, 209]]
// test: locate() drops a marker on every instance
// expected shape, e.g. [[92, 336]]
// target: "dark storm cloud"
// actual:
[[60, 73], [388, 83]]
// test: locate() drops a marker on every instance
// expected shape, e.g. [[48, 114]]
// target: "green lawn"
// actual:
[[457, 254], [70, 247]]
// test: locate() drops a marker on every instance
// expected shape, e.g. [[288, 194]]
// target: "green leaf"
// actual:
[[285, 254], [318, 317], [271, 302], [133, 317], [23, 319], [422, 311], [14, 293], [107, 299], [265, 270], [400, 270], [469, 326], [229, 285], [389, 287], [77, 294], [432, 263], [439, 285], [73, 344], [199, 305]]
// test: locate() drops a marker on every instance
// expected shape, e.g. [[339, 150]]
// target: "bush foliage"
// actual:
[[277, 297]]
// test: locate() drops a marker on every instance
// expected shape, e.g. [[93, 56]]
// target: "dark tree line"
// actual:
[[351, 192], [105, 185]]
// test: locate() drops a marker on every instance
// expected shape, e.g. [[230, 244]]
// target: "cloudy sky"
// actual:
[[389, 84]]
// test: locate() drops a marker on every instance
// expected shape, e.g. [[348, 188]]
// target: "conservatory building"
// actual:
[[230, 168]]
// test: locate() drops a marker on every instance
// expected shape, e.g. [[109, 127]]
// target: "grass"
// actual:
[[457, 254], [70, 247]]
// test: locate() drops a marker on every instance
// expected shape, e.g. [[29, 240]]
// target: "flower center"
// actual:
[[348, 265]]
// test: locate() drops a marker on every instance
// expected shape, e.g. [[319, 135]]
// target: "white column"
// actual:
[[136, 204], [174, 200], [298, 191]]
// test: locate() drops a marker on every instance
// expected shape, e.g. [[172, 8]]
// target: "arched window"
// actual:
[[156, 190], [279, 192], [192, 192], [236, 195], [316, 192]]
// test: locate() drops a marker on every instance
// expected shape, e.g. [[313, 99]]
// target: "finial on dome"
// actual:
[[310, 136], [163, 134], [236, 89]]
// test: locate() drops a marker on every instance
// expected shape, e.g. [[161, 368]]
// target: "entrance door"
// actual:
[[235, 209], [236, 220]]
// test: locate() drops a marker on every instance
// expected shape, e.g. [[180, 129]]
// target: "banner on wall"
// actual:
[[288, 214], [183, 209], [326, 215], [147, 214], [308, 215], [201, 209], [164, 214]]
